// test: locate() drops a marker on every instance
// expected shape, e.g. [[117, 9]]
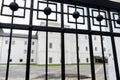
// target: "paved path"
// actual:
[[17, 72]]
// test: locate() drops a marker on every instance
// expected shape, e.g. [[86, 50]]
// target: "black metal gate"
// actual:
[[97, 17]]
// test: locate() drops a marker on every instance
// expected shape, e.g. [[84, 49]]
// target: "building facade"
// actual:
[[18, 48], [38, 50]]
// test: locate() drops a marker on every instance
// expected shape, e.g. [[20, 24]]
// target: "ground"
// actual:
[[17, 72]]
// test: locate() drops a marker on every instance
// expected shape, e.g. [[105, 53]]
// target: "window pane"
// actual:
[[86, 48], [50, 45], [6, 41], [25, 42], [50, 60], [95, 48], [32, 43]]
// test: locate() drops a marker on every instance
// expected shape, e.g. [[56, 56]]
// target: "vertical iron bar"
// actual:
[[114, 48], [28, 55], [62, 56], [46, 77], [91, 46], [2, 6], [62, 43], [103, 56], [27, 77], [9, 48], [78, 69]]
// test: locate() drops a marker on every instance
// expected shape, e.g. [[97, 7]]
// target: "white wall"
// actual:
[[54, 52], [17, 50], [1, 46], [70, 47], [111, 66]]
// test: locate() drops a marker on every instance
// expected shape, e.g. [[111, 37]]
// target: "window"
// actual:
[[21, 60], [25, 51], [95, 38], [13, 42], [95, 48], [103, 38], [10, 60], [33, 43], [86, 48], [87, 60], [50, 45], [25, 42], [6, 41], [104, 49], [50, 59], [32, 51], [32, 60], [86, 37]]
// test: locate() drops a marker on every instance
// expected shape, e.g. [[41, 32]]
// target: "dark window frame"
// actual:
[[50, 60], [50, 45]]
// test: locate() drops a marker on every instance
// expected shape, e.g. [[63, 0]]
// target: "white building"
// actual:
[[18, 48], [38, 51]]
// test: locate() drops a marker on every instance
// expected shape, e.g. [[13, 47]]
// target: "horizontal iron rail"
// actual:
[[92, 3], [102, 4], [56, 29]]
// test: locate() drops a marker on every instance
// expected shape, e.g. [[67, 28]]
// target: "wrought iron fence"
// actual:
[[87, 17]]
